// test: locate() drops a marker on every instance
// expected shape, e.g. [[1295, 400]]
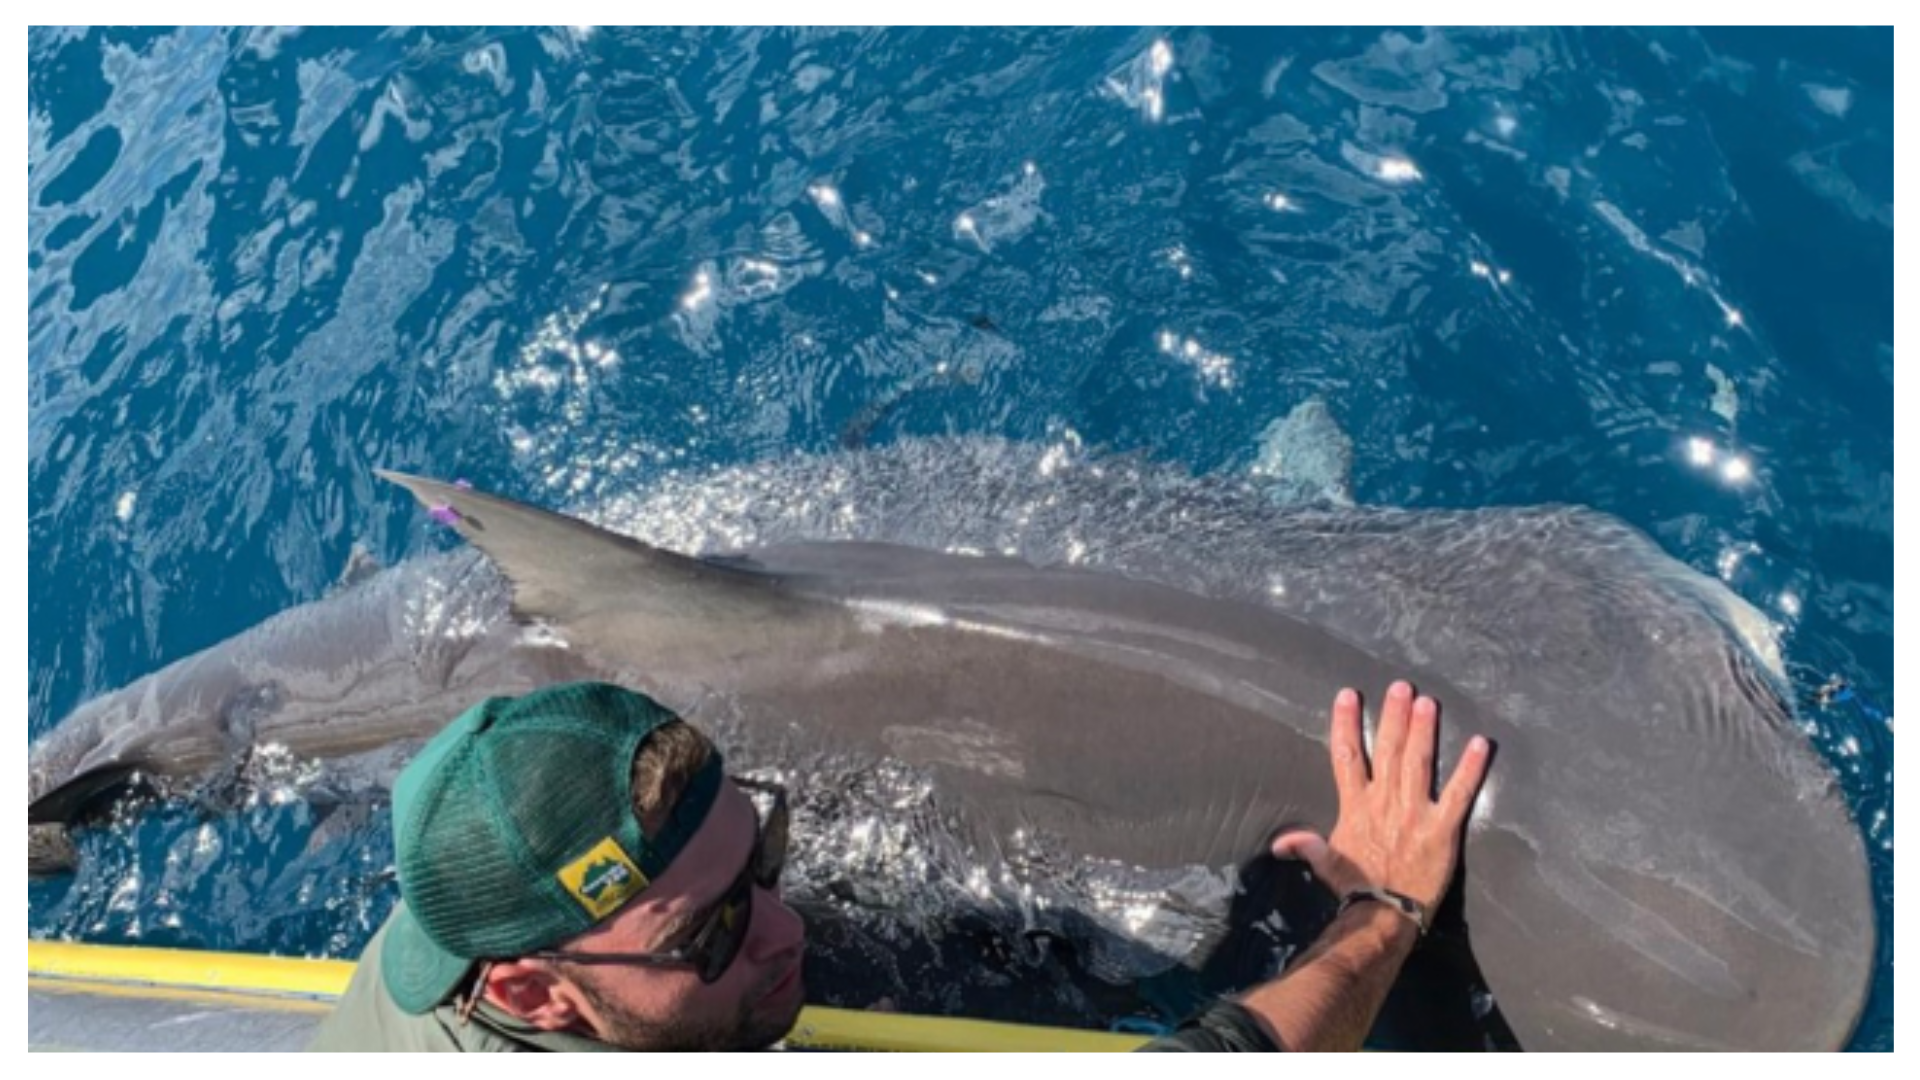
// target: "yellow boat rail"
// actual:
[[313, 984]]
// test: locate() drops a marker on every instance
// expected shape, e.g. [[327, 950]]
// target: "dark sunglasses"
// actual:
[[717, 939]]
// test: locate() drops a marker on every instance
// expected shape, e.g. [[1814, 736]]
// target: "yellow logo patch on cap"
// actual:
[[603, 879]]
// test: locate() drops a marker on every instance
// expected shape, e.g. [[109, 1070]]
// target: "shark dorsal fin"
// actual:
[[567, 571]]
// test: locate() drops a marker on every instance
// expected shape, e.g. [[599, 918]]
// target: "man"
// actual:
[[578, 874]]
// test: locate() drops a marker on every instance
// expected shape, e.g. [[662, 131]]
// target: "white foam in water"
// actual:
[[1835, 101], [1004, 218], [1397, 170], [826, 199], [1141, 82], [700, 292], [1728, 563], [1215, 369], [1726, 396]]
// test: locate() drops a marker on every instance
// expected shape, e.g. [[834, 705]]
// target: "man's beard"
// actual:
[[746, 1030]]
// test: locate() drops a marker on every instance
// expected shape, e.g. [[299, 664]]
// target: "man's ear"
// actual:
[[533, 993]]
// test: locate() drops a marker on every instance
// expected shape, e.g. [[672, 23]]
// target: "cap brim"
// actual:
[[419, 974]]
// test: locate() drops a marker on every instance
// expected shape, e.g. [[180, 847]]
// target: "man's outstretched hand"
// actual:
[[1392, 833]]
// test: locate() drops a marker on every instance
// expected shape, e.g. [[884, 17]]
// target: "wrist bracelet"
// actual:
[[1400, 902]]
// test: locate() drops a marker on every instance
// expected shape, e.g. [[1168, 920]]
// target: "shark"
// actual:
[[1660, 859]]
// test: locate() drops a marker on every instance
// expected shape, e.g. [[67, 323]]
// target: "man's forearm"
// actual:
[[1328, 1000]]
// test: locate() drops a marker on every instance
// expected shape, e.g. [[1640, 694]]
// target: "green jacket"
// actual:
[[368, 1021]]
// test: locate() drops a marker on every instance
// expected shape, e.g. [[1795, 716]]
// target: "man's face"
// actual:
[[753, 1005]]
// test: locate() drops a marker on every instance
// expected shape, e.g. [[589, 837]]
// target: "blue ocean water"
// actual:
[[1648, 272]]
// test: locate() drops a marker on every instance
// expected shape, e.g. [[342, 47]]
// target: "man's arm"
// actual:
[[1328, 1001]]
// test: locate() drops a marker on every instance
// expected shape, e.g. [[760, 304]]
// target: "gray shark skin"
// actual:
[[1660, 859]]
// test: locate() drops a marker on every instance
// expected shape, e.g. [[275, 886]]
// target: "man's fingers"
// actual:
[[1327, 866], [1305, 846], [1308, 848], [1457, 799], [1416, 764], [1349, 749], [1390, 738]]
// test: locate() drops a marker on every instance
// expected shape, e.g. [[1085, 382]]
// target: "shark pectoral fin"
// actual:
[[563, 569], [81, 796]]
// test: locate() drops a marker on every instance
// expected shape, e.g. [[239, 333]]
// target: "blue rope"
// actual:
[[1839, 692]]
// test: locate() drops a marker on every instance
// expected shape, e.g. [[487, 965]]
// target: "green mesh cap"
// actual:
[[514, 832]]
